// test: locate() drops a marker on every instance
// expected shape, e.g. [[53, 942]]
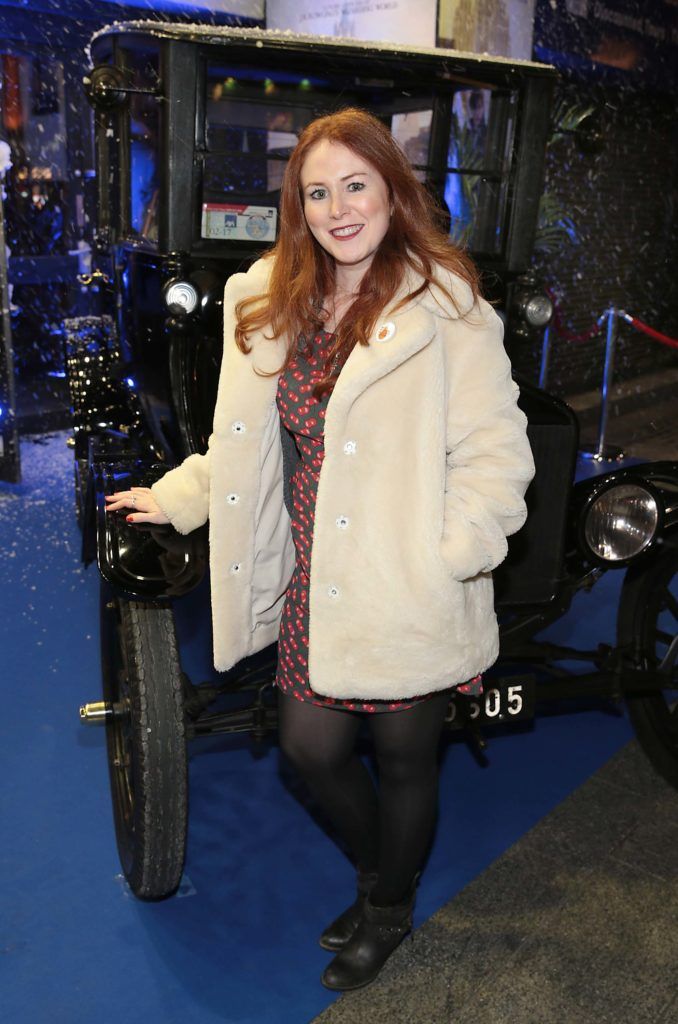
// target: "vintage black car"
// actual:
[[193, 128]]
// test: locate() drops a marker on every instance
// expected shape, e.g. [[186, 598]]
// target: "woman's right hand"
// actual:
[[145, 508]]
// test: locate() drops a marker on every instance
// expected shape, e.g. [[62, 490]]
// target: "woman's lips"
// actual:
[[346, 232]]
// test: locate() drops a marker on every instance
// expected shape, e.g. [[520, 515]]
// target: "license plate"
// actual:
[[506, 699]]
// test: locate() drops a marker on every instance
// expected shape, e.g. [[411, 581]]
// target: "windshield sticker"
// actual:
[[239, 222]]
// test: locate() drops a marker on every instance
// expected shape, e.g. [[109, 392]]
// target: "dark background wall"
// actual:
[[619, 203]]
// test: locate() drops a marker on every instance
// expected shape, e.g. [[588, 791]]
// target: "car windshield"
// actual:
[[253, 118]]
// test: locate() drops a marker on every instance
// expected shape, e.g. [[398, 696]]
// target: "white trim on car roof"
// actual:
[[222, 33]]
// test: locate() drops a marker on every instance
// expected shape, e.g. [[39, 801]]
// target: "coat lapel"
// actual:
[[395, 338]]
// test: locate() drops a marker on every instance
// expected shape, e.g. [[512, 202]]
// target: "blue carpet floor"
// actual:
[[239, 942]]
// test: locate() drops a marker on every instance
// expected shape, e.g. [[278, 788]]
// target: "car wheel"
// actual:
[[648, 621], [146, 742]]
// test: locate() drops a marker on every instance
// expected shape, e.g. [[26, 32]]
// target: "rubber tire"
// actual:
[[642, 601], [147, 756]]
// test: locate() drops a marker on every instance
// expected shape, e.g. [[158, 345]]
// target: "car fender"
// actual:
[[146, 561]]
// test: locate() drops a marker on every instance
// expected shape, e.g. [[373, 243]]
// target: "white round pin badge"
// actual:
[[386, 331]]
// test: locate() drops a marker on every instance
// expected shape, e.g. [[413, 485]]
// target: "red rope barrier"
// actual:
[[568, 335], [563, 332], [650, 331]]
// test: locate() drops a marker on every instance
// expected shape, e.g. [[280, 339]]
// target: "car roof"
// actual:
[[218, 35]]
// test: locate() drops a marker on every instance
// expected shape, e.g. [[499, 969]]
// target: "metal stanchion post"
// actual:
[[545, 357], [602, 452], [10, 465]]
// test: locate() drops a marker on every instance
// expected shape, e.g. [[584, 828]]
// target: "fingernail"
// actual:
[[129, 519]]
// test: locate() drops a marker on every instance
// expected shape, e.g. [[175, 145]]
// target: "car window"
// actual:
[[144, 174], [253, 117], [412, 131], [252, 121], [141, 66], [478, 167]]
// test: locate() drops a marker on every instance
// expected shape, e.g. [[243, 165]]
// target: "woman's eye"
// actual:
[[317, 193], [356, 186]]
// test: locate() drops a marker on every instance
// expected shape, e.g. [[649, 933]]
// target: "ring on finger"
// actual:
[[134, 500]]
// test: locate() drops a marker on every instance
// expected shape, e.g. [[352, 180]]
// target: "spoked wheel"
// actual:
[[648, 618], [146, 741]]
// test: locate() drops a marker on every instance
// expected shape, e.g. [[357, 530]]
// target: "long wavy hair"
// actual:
[[303, 273]]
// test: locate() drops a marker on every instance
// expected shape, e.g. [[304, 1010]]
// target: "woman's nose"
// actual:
[[337, 205]]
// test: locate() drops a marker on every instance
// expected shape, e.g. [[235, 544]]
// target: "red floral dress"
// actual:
[[304, 416]]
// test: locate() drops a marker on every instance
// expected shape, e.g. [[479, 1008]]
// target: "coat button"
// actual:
[[386, 331], [333, 591], [235, 568], [232, 499], [350, 448], [238, 427], [342, 522]]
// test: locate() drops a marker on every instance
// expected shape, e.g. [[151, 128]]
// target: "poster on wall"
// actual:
[[500, 27], [392, 21], [243, 8], [633, 38]]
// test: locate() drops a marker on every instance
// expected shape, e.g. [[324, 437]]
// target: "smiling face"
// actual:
[[346, 205]]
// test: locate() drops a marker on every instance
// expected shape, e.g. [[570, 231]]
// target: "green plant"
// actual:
[[555, 226]]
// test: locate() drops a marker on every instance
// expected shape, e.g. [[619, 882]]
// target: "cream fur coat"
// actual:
[[426, 465]]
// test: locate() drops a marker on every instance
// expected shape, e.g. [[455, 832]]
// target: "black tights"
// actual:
[[388, 833]]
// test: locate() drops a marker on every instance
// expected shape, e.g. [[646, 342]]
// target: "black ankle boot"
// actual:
[[379, 931], [337, 934]]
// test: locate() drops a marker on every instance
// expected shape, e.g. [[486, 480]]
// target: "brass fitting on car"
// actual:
[[97, 712]]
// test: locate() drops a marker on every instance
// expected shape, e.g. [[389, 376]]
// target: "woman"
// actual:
[[365, 412]]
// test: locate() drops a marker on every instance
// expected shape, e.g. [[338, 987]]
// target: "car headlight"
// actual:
[[537, 310], [181, 296], [531, 307], [621, 522]]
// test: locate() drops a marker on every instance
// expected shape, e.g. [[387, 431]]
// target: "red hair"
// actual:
[[302, 275]]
